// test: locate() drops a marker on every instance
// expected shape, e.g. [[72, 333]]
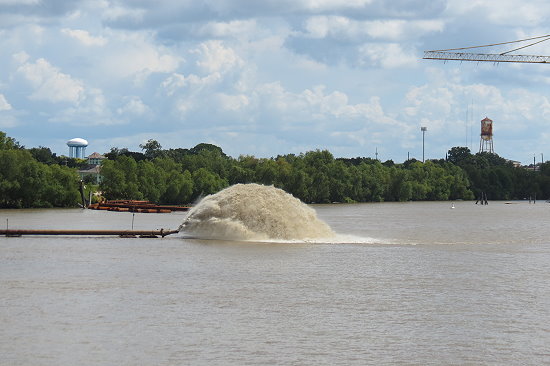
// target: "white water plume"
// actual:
[[254, 212]]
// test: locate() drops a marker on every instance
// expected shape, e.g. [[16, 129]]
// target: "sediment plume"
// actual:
[[254, 212]]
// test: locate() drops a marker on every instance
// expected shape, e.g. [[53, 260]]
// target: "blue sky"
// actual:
[[272, 77]]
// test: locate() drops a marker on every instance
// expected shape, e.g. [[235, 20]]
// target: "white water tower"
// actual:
[[77, 148]]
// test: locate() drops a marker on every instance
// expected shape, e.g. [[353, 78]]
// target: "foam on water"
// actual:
[[254, 212], [336, 239]]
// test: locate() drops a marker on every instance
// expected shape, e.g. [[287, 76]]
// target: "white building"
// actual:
[[94, 167]]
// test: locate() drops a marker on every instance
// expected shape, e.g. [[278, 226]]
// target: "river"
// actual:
[[400, 284]]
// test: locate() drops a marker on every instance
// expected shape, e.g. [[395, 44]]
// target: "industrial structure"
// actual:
[[459, 54], [486, 140], [77, 148], [423, 129]]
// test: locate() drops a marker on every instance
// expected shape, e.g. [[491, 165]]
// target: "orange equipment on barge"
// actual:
[[136, 206]]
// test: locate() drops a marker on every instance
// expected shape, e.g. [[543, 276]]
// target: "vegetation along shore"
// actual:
[[35, 177]]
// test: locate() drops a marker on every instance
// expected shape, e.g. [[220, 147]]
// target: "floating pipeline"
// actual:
[[135, 206], [121, 233]]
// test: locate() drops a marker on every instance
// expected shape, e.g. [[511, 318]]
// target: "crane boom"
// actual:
[[456, 54], [466, 56]]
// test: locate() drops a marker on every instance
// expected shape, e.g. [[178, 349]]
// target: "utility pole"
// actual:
[[423, 129]]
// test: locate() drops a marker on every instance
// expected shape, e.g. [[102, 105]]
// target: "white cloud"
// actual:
[[277, 7], [509, 12], [137, 55], [173, 83], [134, 106], [344, 28], [274, 98], [324, 5], [430, 101], [184, 106], [233, 102], [114, 12], [307, 64], [201, 82], [19, 2], [84, 37], [390, 55], [178, 83], [4, 105], [228, 65], [49, 83], [315, 104], [334, 104], [447, 109], [233, 28], [21, 57], [399, 29], [92, 110], [322, 26], [215, 57]]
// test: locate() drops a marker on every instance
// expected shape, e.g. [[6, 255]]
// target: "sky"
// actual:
[[273, 77]]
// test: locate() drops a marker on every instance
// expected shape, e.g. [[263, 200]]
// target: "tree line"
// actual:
[[184, 175], [26, 182], [37, 178]]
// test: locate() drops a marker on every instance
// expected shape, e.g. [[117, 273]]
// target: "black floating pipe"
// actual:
[[127, 233]]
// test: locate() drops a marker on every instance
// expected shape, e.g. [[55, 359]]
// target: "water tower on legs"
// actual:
[[77, 148], [486, 141]]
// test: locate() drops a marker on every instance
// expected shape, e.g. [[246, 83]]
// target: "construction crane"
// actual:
[[453, 54]]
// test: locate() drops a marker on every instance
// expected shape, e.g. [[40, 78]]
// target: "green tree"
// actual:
[[212, 159], [152, 149], [114, 181], [207, 147], [460, 184], [62, 187], [8, 143], [239, 174], [206, 182], [459, 155], [120, 178], [375, 178], [24, 182], [339, 182], [151, 180], [299, 185], [128, 166], [43, 155], [266, 172], [179, 188], [399, 189]]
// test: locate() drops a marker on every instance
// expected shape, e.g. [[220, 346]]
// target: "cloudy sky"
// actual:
[[269, 77]]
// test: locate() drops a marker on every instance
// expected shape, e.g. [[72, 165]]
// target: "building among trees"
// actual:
[[91, 173]]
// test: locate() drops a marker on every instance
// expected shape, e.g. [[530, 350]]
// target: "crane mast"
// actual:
[[458, 54]]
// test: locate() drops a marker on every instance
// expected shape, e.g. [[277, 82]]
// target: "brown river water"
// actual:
[[394, 284]]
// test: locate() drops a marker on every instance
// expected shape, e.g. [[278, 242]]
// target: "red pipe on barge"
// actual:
[[136, 206]]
